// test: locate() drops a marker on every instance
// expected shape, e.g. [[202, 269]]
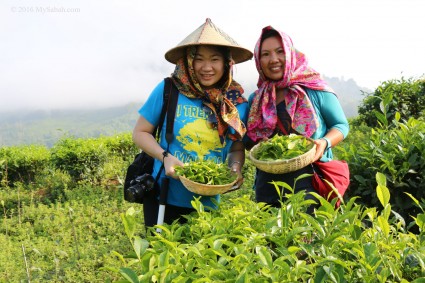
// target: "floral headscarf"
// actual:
[[222, 101], [262, 117]]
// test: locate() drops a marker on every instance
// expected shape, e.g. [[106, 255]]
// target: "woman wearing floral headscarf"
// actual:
[[291, 98], [210, 117]]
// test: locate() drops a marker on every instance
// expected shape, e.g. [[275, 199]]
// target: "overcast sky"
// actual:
[[82, 53]]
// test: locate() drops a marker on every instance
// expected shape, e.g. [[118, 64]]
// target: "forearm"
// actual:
[[143, 138], [334, 137], [146, 142], [236, 156]]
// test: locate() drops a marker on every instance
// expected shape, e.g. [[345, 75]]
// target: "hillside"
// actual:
[[46, 127], [349, 94]]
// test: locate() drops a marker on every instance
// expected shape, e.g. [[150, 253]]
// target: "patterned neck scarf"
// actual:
[[222, 101], [262, 117]]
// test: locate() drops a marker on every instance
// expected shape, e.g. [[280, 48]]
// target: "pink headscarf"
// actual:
[[262, 117]]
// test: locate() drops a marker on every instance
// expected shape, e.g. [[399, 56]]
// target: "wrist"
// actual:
[[235, 162], [164, 154], [328, 142], [235, 165]]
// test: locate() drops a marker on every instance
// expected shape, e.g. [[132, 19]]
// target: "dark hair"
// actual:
[[227, 55], [269, 33]]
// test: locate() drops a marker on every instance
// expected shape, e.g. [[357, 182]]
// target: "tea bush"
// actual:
[[403, 96], [245, 241], [62, 242], [51, 186], [80, 158], [45, 174], [13, 199], [397, 152], [121, 146], [22, 163]]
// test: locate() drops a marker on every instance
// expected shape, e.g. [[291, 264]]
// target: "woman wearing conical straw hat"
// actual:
[[209, 122]]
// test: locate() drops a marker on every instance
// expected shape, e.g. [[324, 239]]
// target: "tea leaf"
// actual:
[[265, 257], [282, 147], [140, 245], [129, 224], [129, 274], [207, 172], [381, 190], [383, 224]]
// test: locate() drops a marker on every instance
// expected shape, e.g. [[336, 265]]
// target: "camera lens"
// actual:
[[138, 187], [149, 182]]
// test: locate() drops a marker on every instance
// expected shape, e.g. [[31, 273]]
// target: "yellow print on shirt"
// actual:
[[186, 158], [196, 136]]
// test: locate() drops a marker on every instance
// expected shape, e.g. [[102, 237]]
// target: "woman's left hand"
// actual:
[[236, 169]]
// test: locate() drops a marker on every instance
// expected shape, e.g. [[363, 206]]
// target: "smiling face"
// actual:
[[208, 65], [272, 58]]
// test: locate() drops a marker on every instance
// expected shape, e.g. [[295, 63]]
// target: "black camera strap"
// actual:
[[170, 97]]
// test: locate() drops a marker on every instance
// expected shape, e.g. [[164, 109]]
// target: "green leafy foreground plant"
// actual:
[[244, 241], [283, 147], [206, 172], [62, 242]]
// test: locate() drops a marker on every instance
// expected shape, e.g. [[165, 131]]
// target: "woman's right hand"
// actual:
[[171, 162]]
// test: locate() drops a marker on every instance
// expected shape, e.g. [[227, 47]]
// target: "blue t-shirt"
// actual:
[[194, 139]]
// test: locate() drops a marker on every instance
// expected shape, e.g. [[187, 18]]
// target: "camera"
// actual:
[[139, 186]]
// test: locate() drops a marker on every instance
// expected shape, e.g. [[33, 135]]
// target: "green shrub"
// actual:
[[13, 199], [403, 96], [399, 153], [51, 186], [82, 159], [22, 163], [357, 136], [62, 242], [244, 241], [121, 146]]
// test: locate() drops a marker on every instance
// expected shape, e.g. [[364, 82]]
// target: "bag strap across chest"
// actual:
[[170, 98]]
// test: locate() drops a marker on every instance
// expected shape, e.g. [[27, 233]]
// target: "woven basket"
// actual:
[[283, 165], [205, 190]]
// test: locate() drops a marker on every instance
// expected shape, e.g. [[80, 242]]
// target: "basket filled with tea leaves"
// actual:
[[206, 178], [283, 154]]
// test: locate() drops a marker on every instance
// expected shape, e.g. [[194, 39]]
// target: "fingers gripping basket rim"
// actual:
[[284, 165], [204, 189]]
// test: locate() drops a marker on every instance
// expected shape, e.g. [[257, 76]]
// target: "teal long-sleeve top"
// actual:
[[329, 114]]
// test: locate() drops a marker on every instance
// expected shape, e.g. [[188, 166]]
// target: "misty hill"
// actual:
[[47, 127], [349, 94]]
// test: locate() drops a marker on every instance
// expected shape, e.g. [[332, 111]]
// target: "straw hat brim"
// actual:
[[209, 34], [239, 54]]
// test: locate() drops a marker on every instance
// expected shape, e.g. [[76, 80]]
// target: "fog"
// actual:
[[87, 54]]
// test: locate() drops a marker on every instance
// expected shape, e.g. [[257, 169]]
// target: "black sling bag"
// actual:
[[138, 179]]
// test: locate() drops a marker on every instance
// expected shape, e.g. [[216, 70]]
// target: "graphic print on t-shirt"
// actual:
[[198, 139]]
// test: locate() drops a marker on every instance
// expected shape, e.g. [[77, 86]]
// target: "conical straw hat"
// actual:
[[209, 34]]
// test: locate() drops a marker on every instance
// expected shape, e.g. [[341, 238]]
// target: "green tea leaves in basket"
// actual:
[[206, 172], [283, 147]]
